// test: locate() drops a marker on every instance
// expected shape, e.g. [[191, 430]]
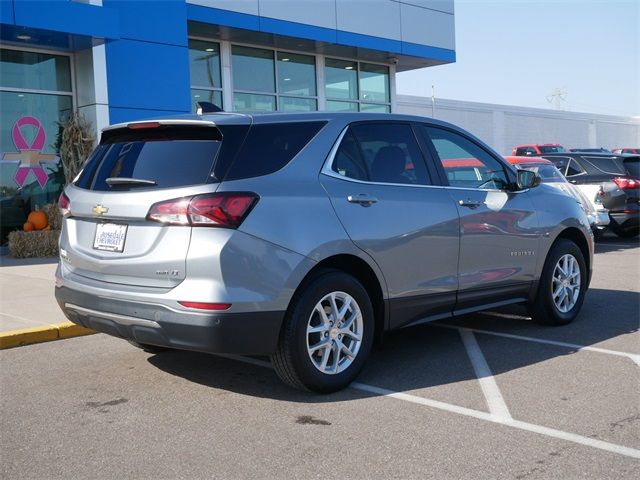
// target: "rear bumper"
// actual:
[[155, 324], [625, 220]]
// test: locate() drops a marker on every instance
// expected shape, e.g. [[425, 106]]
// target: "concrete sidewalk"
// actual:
[[29, 312]]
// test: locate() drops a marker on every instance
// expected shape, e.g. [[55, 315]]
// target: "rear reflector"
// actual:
[[206, 306], [627, 183], [226, 210]]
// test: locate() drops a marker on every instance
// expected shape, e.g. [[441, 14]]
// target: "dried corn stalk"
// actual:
[[75, 145]]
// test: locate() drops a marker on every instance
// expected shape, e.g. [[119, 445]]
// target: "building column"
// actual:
[[148, 67], [91, 87]]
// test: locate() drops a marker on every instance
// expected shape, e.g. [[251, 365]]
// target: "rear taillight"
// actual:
[[226, 210], [627, 183], [64, 204]]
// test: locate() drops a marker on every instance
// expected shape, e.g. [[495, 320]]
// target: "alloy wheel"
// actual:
[[565, 283], [334, 333]]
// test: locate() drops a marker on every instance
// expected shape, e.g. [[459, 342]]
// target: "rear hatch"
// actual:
[[620, 193], [108, 236]]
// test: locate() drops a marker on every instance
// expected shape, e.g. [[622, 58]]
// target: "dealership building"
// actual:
[[115, 61]]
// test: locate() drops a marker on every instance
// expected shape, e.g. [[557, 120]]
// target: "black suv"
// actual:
[[611, 180]]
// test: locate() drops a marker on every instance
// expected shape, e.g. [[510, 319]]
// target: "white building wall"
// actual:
[[424, 22], [504, 126]]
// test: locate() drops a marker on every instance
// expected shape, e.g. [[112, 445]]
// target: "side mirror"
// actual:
[[527, 179]]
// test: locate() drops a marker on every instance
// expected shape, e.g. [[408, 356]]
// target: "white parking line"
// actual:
[[573, 346], [468, 412], [492, 395]]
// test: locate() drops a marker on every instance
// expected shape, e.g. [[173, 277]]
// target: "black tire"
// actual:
[[292, 361], [543, 309], [149, 348]]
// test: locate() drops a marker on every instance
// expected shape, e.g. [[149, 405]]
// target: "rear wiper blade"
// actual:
[[114, 181]]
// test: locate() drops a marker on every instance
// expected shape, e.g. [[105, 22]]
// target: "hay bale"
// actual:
[[34, 244], [54, 216]]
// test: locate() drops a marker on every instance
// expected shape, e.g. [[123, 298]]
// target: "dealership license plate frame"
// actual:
[[116, 228]]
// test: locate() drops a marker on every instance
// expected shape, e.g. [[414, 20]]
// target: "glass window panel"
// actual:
[[374, 83], [391, 153], [249, 102], [288, 104], [253, 69], [365, 107], [341, 79], [466, 164], [18, 201], [296, 74], [38, 71], [269, 147], [333, 106], [211, 96], [204, 64]]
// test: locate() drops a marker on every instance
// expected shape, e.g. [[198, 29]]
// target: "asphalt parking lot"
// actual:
[[489, 395]]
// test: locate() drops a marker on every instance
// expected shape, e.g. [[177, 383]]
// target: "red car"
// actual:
[[626, 150], [537, 149]]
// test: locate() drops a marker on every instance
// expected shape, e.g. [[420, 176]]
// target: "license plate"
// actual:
[[110, 237]]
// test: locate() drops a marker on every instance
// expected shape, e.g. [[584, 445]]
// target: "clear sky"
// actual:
[[517, 52]]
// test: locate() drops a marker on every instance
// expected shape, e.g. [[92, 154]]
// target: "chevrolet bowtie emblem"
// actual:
[[99, 209]]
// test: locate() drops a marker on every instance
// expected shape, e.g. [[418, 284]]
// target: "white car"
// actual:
[[588, 196]]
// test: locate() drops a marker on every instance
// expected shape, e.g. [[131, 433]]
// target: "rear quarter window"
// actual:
[[269, 147], [633, 166]]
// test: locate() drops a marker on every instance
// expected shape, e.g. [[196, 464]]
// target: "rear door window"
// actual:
[[382, 153], [607, 165]]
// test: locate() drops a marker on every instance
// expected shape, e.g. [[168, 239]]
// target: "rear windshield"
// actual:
[[551, 148], [165, 157]]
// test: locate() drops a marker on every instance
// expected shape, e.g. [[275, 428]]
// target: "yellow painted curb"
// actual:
[[45, 333]]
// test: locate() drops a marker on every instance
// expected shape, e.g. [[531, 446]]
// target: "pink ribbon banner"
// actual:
[[30, 156]]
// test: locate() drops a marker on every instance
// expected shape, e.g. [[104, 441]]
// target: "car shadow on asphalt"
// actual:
[[610, 243], [427, 355]]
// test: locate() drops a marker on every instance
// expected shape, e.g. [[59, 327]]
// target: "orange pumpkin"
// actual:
[[28, 227], [38, 219]]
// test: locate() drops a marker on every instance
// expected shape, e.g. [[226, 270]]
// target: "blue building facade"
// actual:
[[119, 60]]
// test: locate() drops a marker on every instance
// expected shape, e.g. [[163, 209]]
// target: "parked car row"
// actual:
[[539, 149], [610, 182]]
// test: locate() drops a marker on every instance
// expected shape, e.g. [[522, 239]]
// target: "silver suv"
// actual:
[[304, 236]]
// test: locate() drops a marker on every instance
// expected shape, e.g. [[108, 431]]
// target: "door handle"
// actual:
[[470, 203], [363, 199]]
